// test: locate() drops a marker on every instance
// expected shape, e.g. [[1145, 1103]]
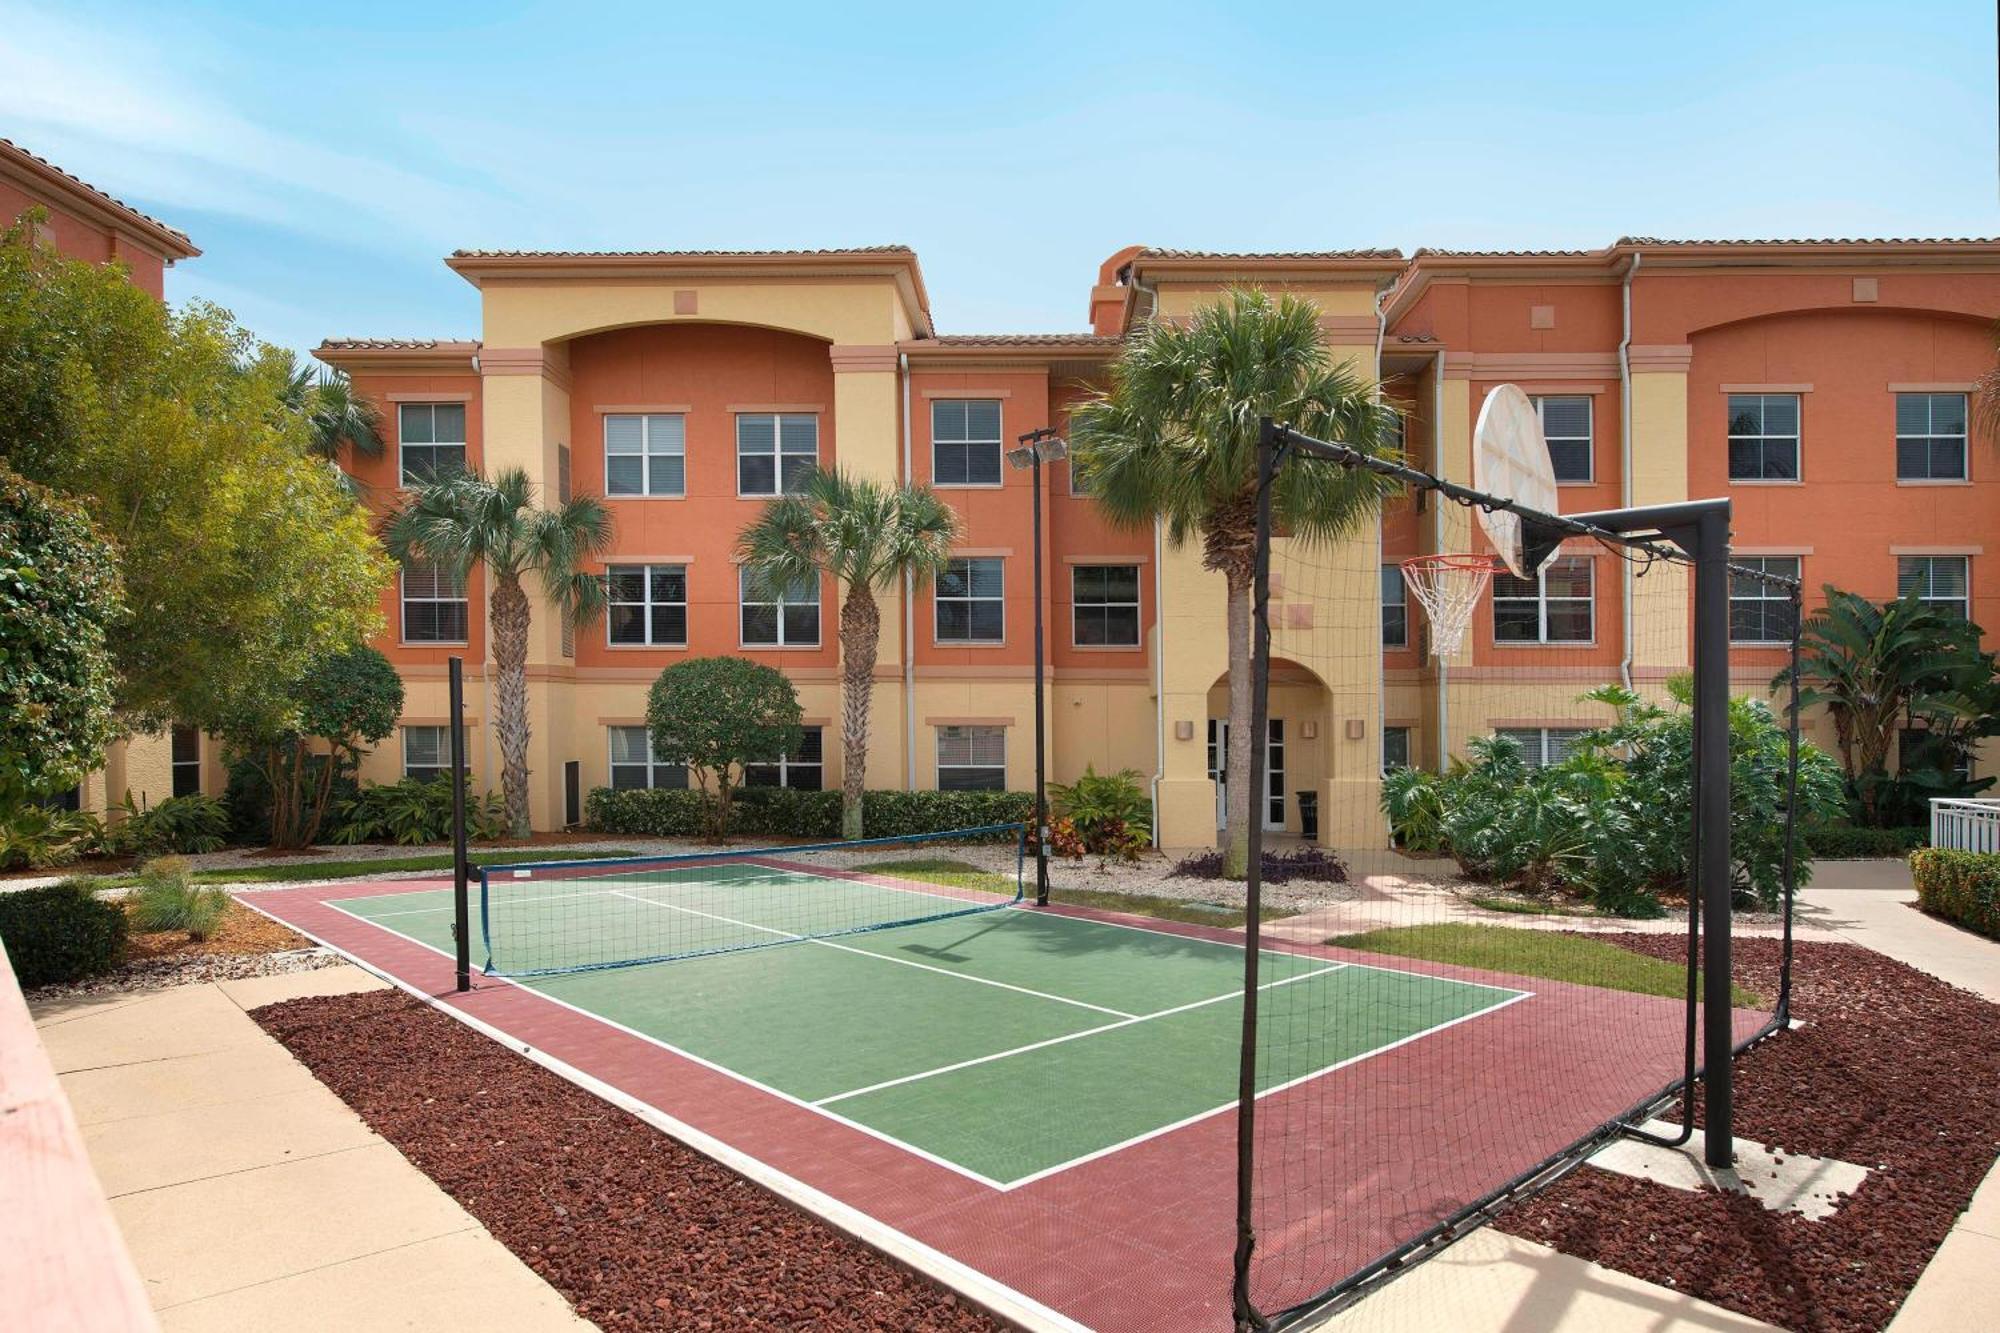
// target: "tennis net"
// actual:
[[548, 917]]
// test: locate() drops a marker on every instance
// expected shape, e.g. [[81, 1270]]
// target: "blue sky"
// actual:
[[325, 158]]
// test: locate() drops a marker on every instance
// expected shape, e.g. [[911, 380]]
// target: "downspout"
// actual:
[[1381, 676], [1159, 623], [1625, 458], [909, 610], [1443, 710]]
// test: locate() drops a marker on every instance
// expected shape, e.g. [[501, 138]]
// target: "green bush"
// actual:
[[1842, 842], [776, 812], [61, 933], [185, 824], [1959, 886], [168, 899], [38, 837], [411, 812], [1109, 811]]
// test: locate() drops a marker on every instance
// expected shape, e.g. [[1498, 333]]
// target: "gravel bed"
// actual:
[[1894, 1071], [148, 974], [635, 1230]]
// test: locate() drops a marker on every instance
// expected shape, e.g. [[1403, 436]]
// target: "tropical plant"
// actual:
[[1175, 439], [1109, 811], [1410, 799], [60, 596], [41, 837], [870, 537], [464, 521], [168, 899], [192, 823], [1312, 863], [336, 416], [718, 714], [412, 812], [1879, 668]]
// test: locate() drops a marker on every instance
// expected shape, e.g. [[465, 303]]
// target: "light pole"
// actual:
[[1031, 451]]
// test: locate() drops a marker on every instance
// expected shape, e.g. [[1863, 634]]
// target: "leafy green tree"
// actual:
[[244, 557], [1174, 441], [717, 714], [464, 521], [343, 706], [870, 537], [60, 596], [336, 416]]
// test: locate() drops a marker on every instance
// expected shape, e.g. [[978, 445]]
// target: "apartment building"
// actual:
[[84, 222], [1825, 386]]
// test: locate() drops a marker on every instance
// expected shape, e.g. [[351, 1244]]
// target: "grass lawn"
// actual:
[[327, 869], [959, 874], [1533, 953], [1493, 902]]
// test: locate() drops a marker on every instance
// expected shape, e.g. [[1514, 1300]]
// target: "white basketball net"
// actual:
[[1448, 588]]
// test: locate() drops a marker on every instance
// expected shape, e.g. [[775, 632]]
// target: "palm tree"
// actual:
[[464, 520], [869, 536], [334, 413], [1174, 441]]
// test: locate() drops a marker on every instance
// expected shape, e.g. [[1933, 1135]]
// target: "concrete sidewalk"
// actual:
[[249, 1195], [1870, 903]]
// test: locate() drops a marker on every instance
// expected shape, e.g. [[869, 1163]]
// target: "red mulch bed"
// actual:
[[1895, 1071], [635, 1230]]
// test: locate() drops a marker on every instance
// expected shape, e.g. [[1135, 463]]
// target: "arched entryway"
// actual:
[[1294, 749]]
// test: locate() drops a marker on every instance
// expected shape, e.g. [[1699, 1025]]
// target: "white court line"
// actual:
[[867, 953], [1072, 1036], [776, 878]]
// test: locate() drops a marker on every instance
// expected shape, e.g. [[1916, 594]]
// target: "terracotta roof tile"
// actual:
[[1270, 254], [393, 344], [683, 254], [1026, 340], [8, 146], [1817, 240]]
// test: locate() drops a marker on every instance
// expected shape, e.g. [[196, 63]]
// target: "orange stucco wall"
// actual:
[[81, 239]]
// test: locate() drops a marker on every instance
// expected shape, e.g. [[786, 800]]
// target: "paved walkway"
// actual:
[[250, 1196], [1869, 903]]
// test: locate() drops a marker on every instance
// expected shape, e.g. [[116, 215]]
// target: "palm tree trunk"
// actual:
[[1242, 805], [860, 640], [510, 616]]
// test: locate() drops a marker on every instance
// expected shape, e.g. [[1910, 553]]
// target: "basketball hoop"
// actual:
[[1448, 588]]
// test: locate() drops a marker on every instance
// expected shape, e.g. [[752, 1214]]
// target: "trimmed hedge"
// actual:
[[1959, 886], [61, 932], [1850, 842], [780, 812]]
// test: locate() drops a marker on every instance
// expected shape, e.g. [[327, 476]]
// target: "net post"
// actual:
[[1712, 873], [1794, 721], [461, 921], [1247, 1316]]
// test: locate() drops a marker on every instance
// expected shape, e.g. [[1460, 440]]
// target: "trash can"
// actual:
[[1309, 815]]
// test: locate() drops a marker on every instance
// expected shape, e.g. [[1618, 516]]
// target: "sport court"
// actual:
[[953, 1038]]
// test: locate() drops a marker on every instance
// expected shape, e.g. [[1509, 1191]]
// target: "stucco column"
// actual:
[[868, 440], [1661, 622]]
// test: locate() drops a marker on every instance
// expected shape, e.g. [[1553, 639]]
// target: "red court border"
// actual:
[[1141, 1238]]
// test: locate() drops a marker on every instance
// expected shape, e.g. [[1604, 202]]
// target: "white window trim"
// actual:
[[1798, 440], [648, 604], [403, 614], [645, 457], [743, 601], [785, 763], [1799, 572], [1542, 740], [1000, 446], [1409, 744], [1542, 611], [612, 763], [937, 603], [937, 750], [1589, 438], [1964, 438], [403, 481], [777, 455], [1137, 604], [443, 766], [1964, 604]]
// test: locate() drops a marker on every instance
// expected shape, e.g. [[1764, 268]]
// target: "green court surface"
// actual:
[[1005, 1044]]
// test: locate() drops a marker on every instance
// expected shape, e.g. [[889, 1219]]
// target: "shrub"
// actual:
[[781, 813], [717, 715], [1839, 842], [1412, 799], [411, 812], [1109, 812], [1312, 863], [784, 812], [1959, 886], [37, 837], [186, 824], [61, 933], [167, 899], [902, 814]]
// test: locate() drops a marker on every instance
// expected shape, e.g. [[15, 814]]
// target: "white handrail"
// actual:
[[1966, 824]]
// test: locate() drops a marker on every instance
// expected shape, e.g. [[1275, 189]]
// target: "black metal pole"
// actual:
[[1041, 712], [1711, 802], [1247, 1315], [461, 927]]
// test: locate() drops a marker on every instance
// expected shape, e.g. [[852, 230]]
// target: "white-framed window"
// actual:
[[971, 758], [1942, 581], [431, 441], [971, 601], [1566, 427], [804, 769], [435, 608], [1543, 745], [965, 442], [634, 766], [187, 760], [645, 453], [1395, 748], [648, 605], [1761, 612], [427, 752], [1554, 607], [1395, 608], [1930, 437], [778, 617], [1104, 606], [1763, 437], [775, 451]]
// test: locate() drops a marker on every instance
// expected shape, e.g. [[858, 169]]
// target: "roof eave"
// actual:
[[87, 200], [351, 355]]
